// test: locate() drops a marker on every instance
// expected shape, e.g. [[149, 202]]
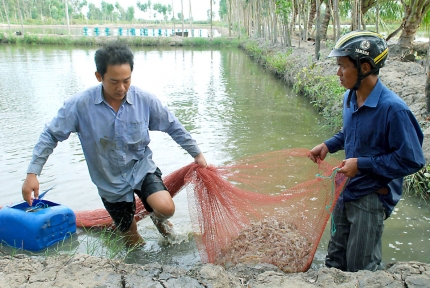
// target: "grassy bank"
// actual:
[[48, 39]]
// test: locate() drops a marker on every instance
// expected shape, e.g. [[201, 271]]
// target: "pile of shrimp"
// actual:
[[270, 241]]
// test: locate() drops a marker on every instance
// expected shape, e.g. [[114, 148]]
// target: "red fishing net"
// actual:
[[268, 208]]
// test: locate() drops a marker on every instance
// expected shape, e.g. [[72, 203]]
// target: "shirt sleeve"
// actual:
[[58, 129], [405, 140], [335, 143], [161, 119]]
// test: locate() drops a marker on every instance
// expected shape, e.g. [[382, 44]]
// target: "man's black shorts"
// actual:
[[122, 213]]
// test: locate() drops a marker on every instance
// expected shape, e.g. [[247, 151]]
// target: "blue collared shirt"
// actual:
[[386, 139], [115, 144]]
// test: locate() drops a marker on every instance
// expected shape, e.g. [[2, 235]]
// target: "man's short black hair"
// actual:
[[114, 53]]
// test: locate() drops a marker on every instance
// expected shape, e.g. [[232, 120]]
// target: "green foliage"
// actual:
[[208, 42], [45, 39], [253, 49], [196, 42], [283, 9], [278, 62], [418, 184], [105, 243], [223, 10], [389, 12], [324, 92]]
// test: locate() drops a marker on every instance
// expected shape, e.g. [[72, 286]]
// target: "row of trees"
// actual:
[[276, 20], [58, 11]]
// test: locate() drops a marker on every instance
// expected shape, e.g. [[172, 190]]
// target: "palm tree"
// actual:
[[415, 10]]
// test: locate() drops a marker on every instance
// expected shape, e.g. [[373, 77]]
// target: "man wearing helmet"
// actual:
[[382, 142]]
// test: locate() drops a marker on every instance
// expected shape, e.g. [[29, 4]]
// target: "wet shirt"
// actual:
[[115, 144], [386, 139]]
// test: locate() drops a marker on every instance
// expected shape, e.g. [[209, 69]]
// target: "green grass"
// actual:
[[45, 39], [418, 184]]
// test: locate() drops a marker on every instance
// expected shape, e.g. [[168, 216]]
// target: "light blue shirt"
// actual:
[[115, 144]]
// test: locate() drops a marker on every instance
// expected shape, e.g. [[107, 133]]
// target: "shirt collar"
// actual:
[[373, 98], [99, 96], [128, 98]]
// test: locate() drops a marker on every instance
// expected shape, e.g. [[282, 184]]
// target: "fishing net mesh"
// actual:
[[267, 208]]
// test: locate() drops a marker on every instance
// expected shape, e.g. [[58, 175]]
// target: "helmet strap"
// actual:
[[357, 84], [360, 77]]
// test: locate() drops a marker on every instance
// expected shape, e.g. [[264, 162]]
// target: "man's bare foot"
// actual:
[[164, 227], [134, 241]]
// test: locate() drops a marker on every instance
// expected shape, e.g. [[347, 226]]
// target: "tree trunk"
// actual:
[[67, 16], [20, 16], [258, 19], [294, 16], [325, 21], [336, 18], [395, 32], [191, 21], [182, 16], [312, 12], [229, 11], [318, 28], [300, 26], [354, 16], [5, 12], [174, 26], [42, 18], [211, 21], [377, 17], [414, 14], [305, 20], [427, 92], [359, 14], [238, 18]]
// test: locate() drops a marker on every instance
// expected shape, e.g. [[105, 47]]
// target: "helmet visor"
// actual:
[[339, 53]]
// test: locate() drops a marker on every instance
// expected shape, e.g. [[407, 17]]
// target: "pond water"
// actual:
[[231, 106]]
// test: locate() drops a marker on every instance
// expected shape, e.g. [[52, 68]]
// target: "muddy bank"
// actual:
[[88, 271]]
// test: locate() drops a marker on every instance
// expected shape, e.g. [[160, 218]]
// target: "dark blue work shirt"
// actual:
[[386, 139]]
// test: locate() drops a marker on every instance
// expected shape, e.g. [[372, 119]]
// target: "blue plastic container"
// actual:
[[36, 227]]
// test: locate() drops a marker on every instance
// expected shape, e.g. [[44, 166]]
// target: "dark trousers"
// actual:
[[356, 244]]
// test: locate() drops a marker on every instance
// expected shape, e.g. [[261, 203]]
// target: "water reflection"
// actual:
[[230, 104]]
